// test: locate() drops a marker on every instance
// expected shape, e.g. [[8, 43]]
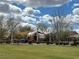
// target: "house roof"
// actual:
[[73, 33], [75, 36]]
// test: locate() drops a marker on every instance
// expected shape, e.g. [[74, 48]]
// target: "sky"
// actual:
[[35, 11], [66, 8]]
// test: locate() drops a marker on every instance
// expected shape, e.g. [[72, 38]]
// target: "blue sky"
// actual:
[[45, 9], [64, 10]]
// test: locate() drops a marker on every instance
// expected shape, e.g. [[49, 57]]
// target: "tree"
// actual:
[[59, 27], [50, 19], [23, 31], [3, 29], [62, 27], [12, 24], [41, 26]]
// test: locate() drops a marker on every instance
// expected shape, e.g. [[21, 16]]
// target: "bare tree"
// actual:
[[3, 30], [12, 24], [61, 26], [41, 26]]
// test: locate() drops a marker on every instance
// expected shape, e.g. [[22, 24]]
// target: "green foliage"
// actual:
[[62, 35]]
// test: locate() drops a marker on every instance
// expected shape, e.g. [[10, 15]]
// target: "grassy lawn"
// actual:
[[38, 52]]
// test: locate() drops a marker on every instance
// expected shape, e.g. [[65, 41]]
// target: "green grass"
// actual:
[[38, 52]]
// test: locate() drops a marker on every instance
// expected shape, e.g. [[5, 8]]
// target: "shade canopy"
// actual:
[[44, 3]]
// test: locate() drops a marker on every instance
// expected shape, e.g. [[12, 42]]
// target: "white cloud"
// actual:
[[4, 7], [47, 17], [30, 25], [75, 19], [3, 15], [72, 18], [76, 11], [27, 11], [15, 9], [8, 8], [11, 0], [77, 30], [43, 19], [44, 3], [30, 11], [29, 19], [69, 18], [76, 4], [30, 14], [39, 3]]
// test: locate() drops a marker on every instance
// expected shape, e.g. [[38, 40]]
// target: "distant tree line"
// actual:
[[11, 30]]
